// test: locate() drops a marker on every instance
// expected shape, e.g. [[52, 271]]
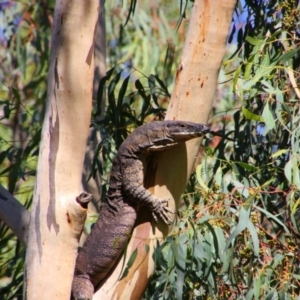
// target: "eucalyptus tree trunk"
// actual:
[[59, 208], [192, 99]]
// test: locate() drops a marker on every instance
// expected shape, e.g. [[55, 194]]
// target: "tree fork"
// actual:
[[191, 100]]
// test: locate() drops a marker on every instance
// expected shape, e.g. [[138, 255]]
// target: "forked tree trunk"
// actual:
[[192, 100], [57, 218]]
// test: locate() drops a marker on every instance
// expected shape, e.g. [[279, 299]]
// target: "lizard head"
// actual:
[[161, 135], [180, 131]]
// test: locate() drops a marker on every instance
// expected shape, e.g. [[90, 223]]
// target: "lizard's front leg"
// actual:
[[133, 180]]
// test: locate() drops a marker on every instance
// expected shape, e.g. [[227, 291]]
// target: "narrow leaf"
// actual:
[[199, 178], [255, 239], [271, 216], [163, 86], [122, 91], [288, 55], [242, 224], [253, 41], [268, 119], [279, 153], [246, 166], [251, 116], [129, 264]]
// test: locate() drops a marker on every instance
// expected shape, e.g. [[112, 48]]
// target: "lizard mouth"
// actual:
[[197, 131], [187, 136]]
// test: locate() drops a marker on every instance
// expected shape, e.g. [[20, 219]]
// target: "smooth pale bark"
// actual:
[[192, 99], [14, 215], [57, 218]]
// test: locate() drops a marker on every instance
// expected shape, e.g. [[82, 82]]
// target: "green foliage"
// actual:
[[237, 236], [142, 35], [11, 265]]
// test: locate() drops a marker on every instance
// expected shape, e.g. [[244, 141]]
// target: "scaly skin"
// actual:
[[126, 193]]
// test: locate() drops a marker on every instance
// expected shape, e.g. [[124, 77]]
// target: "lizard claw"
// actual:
[[160, 209]]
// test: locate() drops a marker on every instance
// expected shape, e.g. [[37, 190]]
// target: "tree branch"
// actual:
[[14, 214]]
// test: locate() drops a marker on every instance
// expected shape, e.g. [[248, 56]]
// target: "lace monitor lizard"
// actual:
[[126, 194]]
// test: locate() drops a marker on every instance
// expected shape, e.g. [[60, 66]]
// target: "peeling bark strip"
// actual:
[[125, 196], [52, 160]]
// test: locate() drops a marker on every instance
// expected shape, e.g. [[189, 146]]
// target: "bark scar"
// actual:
[[56, 78]]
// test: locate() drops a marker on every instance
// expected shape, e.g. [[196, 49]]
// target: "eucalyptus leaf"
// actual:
[[268, 119], [242, 224], [251, 116]]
